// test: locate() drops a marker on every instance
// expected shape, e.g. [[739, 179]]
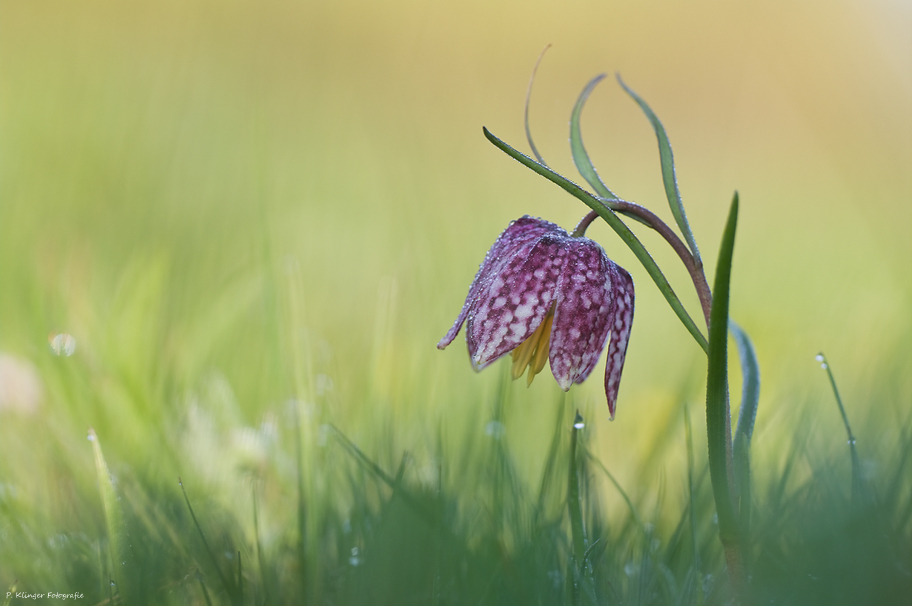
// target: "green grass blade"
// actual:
[[633, 510], [856, 464], [718, 426], [616, 224], [378, 473], [229, 589], [669, 178], [114, 521], [574, 505], [199, 578]]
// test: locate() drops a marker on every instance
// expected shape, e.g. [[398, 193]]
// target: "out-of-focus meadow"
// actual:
[[247, 212]]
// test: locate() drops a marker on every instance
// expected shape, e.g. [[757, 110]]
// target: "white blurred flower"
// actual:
[[20, 385]]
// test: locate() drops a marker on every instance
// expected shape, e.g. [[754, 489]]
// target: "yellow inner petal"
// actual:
[[533, 352]]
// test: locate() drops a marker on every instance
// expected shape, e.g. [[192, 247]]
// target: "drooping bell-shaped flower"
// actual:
[[546, 295]]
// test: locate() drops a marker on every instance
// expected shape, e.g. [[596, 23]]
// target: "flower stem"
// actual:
[[584, 224], [649, 218]]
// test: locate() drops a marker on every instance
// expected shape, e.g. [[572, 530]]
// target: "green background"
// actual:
[[234, 205]]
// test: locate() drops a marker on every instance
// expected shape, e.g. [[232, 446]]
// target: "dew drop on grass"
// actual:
[[579, 425], [819, 357], [495, 429], [62, 344], [90, 437], [851, 442], [354, 560]]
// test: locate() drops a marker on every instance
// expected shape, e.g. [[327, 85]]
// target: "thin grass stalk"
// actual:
[[226, 583], [206, 597], [857, 489]]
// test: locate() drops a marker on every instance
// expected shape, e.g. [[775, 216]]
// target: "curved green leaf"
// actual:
[[616, 224], [668, 173], [750, 396], [580, 157], [526, 109], [750, 387]]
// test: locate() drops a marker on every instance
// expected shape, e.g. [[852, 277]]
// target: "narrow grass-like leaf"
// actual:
[[199, 578], [226, 584], [616, 224], [669, 178], [384, 477], [526, 108], [857, 491], [574, 506], [718, 426], [580, 156], [623, 493], [118, 540], [591, 556]]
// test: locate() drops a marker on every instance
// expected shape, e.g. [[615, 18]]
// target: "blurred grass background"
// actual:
[[232, 206]]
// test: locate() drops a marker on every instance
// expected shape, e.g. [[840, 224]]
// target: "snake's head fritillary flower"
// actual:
[[546, 295]]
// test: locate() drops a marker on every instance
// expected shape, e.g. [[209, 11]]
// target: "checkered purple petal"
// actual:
[[621, 322], [514, 303], [519, 237], [582, 318]]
